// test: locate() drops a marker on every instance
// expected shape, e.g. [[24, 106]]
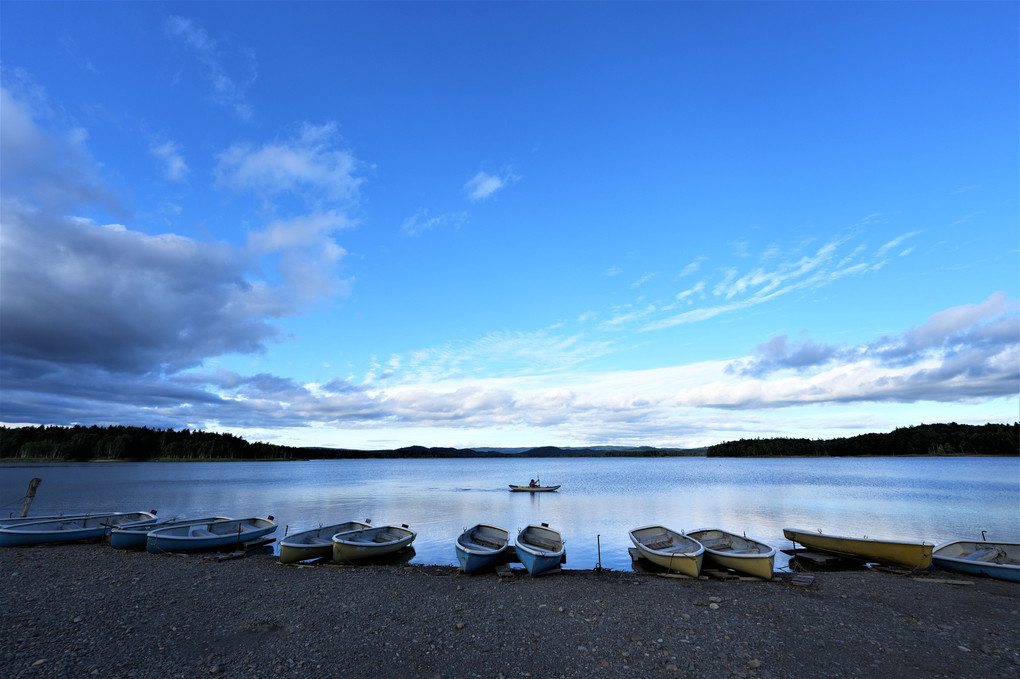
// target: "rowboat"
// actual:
[[532, 489], [669, 549], [68, 529], [371, 543], [1000, 560], [913, 555], [316, 543], [224, 533], [134, 536], [540, 548], [481, 547], [18, 520], [739, 553]]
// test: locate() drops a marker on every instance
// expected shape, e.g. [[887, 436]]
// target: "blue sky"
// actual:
[[510, 224]]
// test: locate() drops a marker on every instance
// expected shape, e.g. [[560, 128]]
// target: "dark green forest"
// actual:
[[925, 439], [142, 444]]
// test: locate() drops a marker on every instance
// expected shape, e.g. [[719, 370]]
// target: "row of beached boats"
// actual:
[[128, 530], [539, 548]]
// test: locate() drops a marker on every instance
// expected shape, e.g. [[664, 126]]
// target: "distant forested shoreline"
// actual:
[[51, 443]]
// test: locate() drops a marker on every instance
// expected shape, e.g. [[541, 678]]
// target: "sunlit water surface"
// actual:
[[601, 499]]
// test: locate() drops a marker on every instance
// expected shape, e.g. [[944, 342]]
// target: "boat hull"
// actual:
[[539, 549], [912, 555], [208, 536], [999, 560], [135, 536], [68, 529], [669, 549], [371, 543], [316, 543], [735, 552], [481, 547]]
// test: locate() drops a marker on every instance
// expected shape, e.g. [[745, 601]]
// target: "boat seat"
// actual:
[[981, 555], [248, 526], [541, 543], [319, 541], [658, 544], [384, 537], [483, 541], [201, 533]]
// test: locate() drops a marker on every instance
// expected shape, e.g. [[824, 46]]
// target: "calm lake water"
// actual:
[[933, 499]]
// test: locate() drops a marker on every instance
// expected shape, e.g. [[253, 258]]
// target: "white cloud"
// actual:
[[229, 89], [310, 165], [174, 167], [484, 185], [422, 222]]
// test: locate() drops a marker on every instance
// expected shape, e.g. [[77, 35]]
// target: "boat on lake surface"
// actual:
[[540, 548], [736, 552], [481, 546], [670, 549], [225, 533], [69, 528], [134, 535], [371, 543], [316, 543], [532, 489], [1000, 560], [912, 555]]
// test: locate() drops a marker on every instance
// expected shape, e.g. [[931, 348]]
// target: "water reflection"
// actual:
[[600, 500]]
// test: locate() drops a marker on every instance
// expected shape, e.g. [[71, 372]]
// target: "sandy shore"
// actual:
[[92, 611]]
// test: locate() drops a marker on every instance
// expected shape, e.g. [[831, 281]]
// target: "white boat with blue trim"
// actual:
[[134, 536], [481, 547], [223, 534], [540, 549], [69, 529], [999, 560]]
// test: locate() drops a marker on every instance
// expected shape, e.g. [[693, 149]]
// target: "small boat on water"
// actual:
[[532, 489], [134, 535], [481, 547], [1000, 560], [225, 533], [913, 555], [670, 549], [540, 549], [736, 552], [69, 529], [371, 543], [316, 543]]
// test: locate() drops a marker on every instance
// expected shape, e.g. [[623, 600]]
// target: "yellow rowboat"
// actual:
[[738, 553], [669, 549], [371, 543], [913, 555], [315, 543]]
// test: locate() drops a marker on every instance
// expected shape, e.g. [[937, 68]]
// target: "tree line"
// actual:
[[141, 444], [925, 439]]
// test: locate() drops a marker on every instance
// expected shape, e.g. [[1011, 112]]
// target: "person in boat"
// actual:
[[532, 484]]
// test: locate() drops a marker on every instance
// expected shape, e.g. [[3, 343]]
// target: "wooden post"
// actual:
[[30, 495]]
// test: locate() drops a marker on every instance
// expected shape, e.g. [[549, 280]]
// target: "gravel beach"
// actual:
[[88, 610]]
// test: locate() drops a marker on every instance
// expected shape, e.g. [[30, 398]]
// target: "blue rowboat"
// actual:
[[481, 547], [540, 549], [226, 533], [69, 529], [316, 543], [133, 536], [1000, 560]]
